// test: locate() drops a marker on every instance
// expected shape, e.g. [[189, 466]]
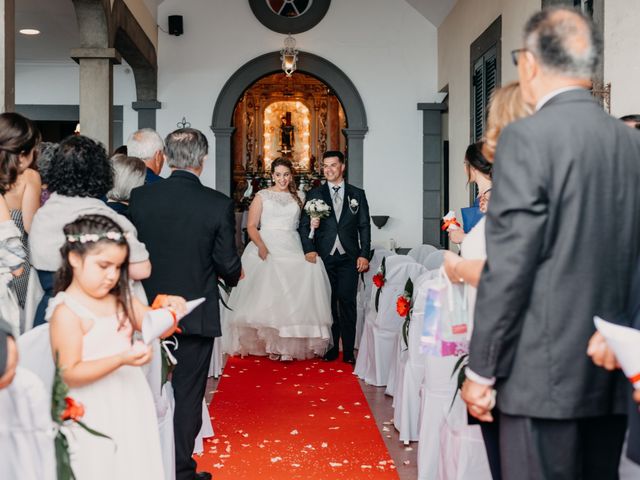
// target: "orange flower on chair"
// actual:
[[403, 305], [73, 411], [378, 280]]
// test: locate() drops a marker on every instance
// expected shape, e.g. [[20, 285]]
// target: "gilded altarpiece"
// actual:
[[298, 118]]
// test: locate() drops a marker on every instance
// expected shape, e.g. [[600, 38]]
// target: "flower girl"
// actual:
[[93, 317]]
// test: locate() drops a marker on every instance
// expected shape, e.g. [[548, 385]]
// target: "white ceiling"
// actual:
[[433, 10], [56, 20], [59, 31]]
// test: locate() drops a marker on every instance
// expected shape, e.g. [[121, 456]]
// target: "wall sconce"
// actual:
[[379, 220], [289, 56]]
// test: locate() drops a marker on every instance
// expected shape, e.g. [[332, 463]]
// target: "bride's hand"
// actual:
[[315, 223], [263, 252]]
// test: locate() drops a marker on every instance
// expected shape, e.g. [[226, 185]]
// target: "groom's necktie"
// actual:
[[337, 201], [337, 208]]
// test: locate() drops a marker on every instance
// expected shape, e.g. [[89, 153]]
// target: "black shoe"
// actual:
[[203, 476], [350, 361], [330, 356]]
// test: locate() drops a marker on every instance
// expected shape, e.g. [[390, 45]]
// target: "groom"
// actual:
[[343, 241]]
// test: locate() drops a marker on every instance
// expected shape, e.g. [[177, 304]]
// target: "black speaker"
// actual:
[[175, 25]]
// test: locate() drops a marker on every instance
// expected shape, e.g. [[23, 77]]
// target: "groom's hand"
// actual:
[[362, 264], [311, 257]]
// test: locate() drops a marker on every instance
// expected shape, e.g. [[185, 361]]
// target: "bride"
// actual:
[[282, 307]]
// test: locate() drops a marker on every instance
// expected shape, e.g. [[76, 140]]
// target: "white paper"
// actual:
[[158, 321], [625, 343]]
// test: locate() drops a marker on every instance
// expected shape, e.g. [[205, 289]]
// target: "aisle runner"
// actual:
[[298, 420]]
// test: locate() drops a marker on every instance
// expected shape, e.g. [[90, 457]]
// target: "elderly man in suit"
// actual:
[[565, 180], [189, 231]]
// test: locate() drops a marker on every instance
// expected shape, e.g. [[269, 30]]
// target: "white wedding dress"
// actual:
[[283, 305]]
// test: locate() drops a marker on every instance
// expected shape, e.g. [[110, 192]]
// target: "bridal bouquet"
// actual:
[[316, 208]]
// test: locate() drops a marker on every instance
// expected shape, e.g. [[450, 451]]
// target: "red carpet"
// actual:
[[297, 420]]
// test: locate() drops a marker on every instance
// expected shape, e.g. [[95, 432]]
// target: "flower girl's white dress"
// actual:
[[119, 405], [283, 305]]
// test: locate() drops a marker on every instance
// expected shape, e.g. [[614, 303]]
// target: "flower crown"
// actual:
[[96, 237]]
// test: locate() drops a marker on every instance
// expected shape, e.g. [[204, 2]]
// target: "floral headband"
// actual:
[[96, 237]]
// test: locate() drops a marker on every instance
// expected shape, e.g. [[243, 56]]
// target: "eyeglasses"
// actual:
[[515, 55]]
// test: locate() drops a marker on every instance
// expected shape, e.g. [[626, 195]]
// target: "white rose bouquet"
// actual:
[[316, 208]]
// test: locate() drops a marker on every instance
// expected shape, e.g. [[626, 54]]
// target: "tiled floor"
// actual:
[[380, 405]]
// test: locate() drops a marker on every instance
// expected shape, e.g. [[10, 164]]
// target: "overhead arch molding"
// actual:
[[322, 69]]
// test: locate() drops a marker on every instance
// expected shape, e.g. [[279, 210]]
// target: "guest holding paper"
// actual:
[[478, 170], [563, 178], [93, 317]]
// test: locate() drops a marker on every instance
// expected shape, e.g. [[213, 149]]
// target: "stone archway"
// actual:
[[327, 72]]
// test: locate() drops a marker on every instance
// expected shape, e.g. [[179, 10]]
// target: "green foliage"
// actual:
[[408, 294]]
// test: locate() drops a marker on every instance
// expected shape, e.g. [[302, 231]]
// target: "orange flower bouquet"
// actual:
[[379, 279], [64, 410], [403, 307]]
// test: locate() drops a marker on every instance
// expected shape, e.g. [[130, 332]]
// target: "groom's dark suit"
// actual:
[[633, 446], [189, 230], [354, 231], [563, 238]]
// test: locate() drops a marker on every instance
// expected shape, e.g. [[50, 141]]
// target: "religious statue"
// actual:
[[286, 134]]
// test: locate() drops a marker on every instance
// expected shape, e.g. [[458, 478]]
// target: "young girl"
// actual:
[[93, 318]]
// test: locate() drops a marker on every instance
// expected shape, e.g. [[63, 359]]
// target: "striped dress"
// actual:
[[19, 284]]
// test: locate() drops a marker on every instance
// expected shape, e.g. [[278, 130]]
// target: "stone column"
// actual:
[[96, 92], [146, 112], [355, 153], [7, 51], [223, 158]]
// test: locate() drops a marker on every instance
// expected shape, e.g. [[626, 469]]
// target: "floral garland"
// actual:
[[379, 280], [65, 410], [404, 308]]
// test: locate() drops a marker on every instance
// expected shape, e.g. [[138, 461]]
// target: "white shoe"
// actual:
[[274, 356], [286, 358]]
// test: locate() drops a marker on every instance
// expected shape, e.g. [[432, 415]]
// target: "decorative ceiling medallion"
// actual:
[[289, 16]]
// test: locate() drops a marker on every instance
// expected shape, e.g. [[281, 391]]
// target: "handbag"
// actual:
[[445, 324]]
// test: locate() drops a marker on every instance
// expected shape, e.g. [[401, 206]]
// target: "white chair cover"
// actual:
[[438, 389], [434, 260], [366, 357], [421, 252], [27, 449], [34, 348], [387, 324], [165, 426], [410, 371], [217, 359], [462, 452], [34, 295], [365, 284]]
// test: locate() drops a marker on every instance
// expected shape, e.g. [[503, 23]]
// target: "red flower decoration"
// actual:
[[403, 305], [378, 280], [74, 410]]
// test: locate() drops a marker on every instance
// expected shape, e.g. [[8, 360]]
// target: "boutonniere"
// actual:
[[353, 205]]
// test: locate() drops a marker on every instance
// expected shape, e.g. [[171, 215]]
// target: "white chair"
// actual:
[[217, 358], [387, 323], [26, 429], [34, 348], [366, 356], [421, 252], [437, 393], [365, 284], [410, 370], [434, 260], [462, 452]]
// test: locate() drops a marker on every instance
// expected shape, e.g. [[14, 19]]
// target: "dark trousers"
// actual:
[[189, 382], [47, 280], [343, 276], [491, 437], [542, 449]]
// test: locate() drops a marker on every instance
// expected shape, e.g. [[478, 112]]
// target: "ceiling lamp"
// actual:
[[29, 31], [289, 56]]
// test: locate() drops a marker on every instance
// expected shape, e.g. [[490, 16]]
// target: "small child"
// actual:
[[94, 316]]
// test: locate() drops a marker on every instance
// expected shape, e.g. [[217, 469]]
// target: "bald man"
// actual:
[[558, 253]]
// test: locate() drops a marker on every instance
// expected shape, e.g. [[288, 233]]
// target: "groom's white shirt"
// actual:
[[337, 245]]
